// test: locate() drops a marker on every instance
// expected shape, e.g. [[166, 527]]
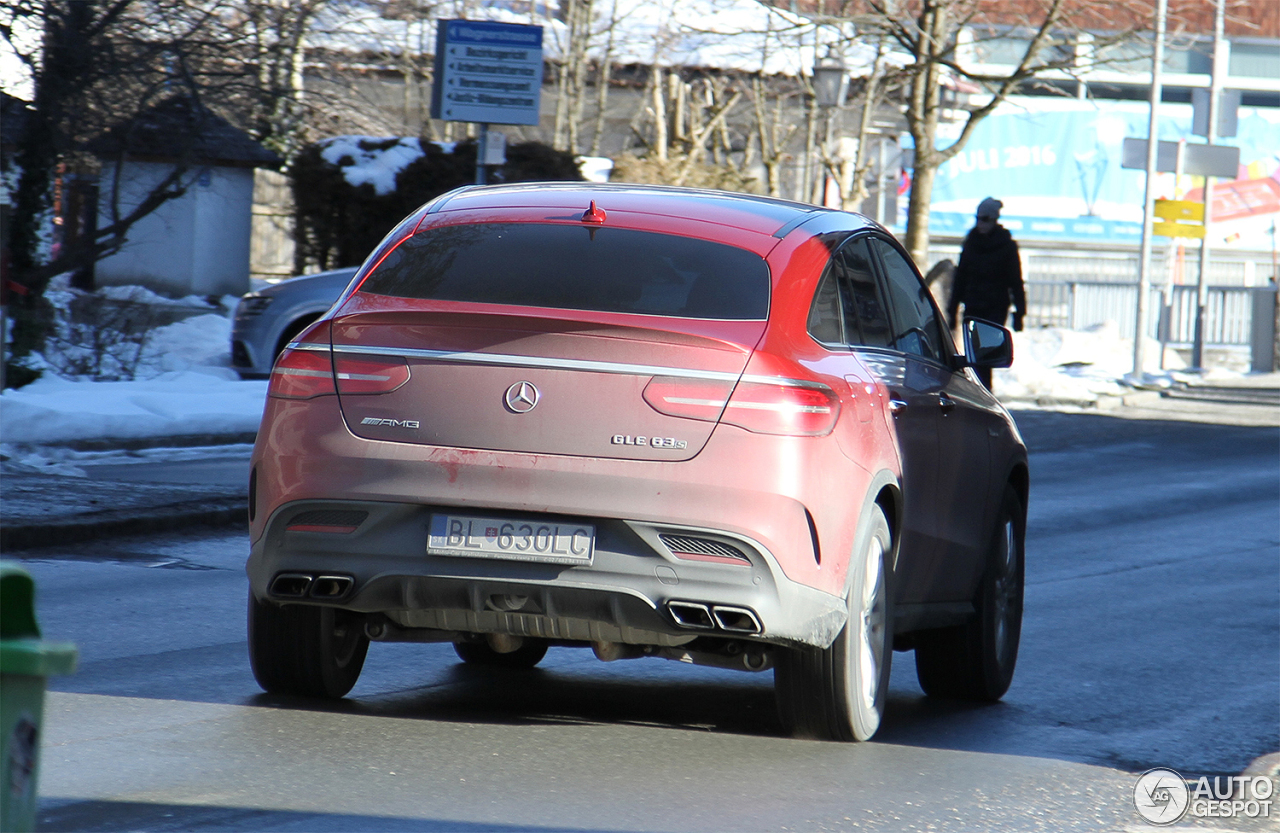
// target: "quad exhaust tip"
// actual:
[[331, 587], [736, 619], [302, 585], [691, 615], [291, 585], [714, 617]]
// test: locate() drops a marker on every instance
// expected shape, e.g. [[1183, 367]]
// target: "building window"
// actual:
[[1255, 60]]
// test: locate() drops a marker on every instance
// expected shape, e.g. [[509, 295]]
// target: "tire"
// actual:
[[305, 650], [479, 653], [838, 693], [975, 661]]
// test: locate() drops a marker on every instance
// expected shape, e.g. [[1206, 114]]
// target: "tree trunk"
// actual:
[[922, 114], [602, 82], [660, 113], [916, 239]]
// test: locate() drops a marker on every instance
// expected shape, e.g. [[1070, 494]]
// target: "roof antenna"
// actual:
[[594, 214]]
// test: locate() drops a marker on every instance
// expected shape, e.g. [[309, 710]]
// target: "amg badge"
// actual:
[[391, 423]]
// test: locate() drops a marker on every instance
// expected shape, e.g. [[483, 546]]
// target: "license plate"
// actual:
[[546, 542]]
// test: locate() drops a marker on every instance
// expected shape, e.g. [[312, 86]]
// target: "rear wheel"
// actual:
[[529, 654], [305, 649], [838, 693], [975, 661]]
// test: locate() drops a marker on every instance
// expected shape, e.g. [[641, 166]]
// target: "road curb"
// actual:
[[229, 511], [139, 443]]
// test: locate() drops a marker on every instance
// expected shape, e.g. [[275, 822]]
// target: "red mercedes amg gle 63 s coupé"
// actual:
[[651, 421]]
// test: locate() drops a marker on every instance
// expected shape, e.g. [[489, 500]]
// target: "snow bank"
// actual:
[[184, 386], [1078, 365], [184, 403]]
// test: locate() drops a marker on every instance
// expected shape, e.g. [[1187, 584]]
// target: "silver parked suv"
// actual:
[[268, 319]]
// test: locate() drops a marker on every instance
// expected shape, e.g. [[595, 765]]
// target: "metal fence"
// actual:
[[1119, 266], [1076, 305]]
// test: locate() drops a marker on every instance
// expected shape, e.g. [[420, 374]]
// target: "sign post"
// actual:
[[1148, 196], [488, 73], [1218, 70]]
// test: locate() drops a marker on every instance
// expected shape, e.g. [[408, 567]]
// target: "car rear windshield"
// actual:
[[577, 267]]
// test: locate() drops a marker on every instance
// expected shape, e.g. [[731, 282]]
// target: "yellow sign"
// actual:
[[1185, 210], [1177, 230]]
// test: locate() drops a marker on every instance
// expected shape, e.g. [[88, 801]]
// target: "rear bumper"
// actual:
[[635, 591], [790, 504]]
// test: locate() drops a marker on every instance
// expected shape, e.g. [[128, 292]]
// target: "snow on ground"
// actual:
[[1078, 366], [186, 387]]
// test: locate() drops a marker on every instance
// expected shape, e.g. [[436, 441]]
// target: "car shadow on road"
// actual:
[[648, 693], [722, 702]]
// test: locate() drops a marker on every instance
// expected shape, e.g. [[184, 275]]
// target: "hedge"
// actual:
[[338, 224]]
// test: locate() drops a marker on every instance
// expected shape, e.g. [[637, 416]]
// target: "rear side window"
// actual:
[[865, 308], [577, 267], [847, 307], [826, 323]]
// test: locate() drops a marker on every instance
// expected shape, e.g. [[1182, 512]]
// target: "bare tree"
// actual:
[[275, 41], [98, 65], [1052, 37], [571, 79], [604, 70]]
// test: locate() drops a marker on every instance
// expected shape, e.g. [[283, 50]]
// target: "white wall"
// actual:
[[197, 244]]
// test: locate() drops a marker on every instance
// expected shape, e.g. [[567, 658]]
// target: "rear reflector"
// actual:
[[302, 374], [370, 374], [332, 521]]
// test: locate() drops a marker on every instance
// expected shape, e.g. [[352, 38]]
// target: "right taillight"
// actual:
[[302, 374], [700, 399], [769, 408], [790, 408]]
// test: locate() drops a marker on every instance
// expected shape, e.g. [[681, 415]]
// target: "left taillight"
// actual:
[[302, 374], [369, 374]]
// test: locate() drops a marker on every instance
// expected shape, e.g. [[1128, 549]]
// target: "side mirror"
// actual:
[[987, 344]]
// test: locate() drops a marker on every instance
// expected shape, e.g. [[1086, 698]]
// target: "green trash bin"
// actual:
[[25, 662]]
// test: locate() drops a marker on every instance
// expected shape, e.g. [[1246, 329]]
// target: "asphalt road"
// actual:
[[1152, 638]]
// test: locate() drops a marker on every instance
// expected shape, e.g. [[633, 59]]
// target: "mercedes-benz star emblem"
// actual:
[[522, 397]]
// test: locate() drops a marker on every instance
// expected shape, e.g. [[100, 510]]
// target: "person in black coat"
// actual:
[[988, 277]]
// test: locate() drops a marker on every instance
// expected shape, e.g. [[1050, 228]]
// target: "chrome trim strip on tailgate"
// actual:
[[509, 360]]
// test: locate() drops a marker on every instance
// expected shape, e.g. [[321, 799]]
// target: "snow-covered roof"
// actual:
[[741, 35], [181, 127]]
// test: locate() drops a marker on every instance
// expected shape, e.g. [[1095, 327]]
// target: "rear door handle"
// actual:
[[946, 403], [896, 405]]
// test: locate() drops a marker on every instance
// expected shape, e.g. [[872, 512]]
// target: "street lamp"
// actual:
[[830, 77]]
